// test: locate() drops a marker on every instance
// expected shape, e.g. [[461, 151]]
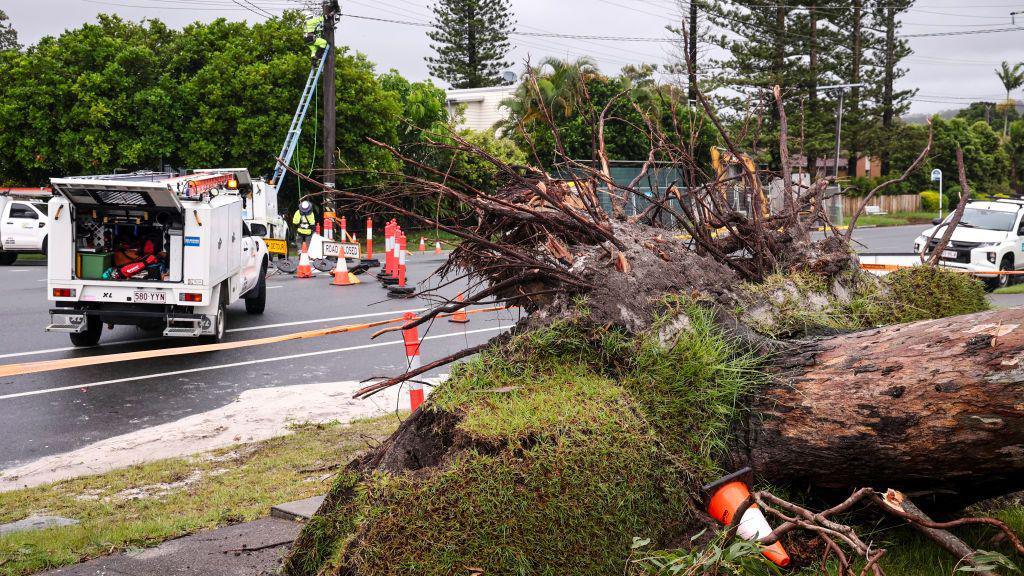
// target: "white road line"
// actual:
[[19, 270], [273, 287], [48, 351], [237, 364], [321, 320]]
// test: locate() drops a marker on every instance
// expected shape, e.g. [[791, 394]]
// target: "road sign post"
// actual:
[[937, 177]]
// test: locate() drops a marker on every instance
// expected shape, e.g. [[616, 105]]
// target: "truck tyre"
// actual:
[[8, 258], [46, 241], [219, 326], [1003, 280], [256, 302], [91, 335]]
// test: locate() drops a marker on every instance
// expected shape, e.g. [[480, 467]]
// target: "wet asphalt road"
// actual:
[[52, 412]]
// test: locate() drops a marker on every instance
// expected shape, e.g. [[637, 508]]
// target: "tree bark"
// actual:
[[933, 407]]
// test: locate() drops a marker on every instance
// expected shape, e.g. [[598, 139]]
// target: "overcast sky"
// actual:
[[949, 70]]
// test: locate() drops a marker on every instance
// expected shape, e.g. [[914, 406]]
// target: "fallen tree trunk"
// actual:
[[932, 407]]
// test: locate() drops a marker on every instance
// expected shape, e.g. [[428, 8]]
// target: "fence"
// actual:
[[895, 203]]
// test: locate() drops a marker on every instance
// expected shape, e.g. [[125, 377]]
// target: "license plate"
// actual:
[[949, 254], [150, 297]]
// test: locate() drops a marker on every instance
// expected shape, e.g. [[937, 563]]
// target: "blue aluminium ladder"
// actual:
[[291, 141]]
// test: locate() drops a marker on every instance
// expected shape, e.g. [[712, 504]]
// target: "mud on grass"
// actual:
[[144, 505]]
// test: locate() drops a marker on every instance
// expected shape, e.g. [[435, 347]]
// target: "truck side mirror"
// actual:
[[257, 230]]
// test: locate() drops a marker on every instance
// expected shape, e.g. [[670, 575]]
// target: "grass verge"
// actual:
[[1012, 289], [146, 504], [896, 219]]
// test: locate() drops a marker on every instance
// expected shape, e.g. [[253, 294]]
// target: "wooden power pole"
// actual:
[[330, 109]]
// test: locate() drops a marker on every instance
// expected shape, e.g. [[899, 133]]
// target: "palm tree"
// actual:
[[559, 88], [1012, 78]]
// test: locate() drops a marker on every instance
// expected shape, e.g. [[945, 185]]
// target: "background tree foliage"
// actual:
[[121, 96], [8, 35], [574, 93], [471, 41]]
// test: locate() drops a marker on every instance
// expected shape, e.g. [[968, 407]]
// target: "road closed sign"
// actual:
[[336, 249]]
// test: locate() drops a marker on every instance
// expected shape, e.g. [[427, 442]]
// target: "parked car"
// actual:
[[24, 227], [989, 238]]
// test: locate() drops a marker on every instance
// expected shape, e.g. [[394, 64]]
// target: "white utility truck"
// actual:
[[989, 238], [24, 225], [156, 250]]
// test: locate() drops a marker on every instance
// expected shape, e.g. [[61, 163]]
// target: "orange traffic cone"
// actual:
[[726, 499], [342, 277], [459, 317], [437, 247], [305, 270], [423, 244]]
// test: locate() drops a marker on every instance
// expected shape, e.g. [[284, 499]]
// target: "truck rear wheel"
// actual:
[[257, 302], [219, 325], [91, 335], [8, 258]]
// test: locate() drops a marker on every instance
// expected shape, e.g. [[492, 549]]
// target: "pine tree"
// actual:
[[891, 102], [471, 41], [8, 35], [793, 46]]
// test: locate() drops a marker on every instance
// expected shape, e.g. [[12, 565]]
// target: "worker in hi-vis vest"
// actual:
[[313, 34], [304, 221]]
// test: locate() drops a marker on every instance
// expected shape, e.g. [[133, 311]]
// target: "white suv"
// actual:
[[990, 237]]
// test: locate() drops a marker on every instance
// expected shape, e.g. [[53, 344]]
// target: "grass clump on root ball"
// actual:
[[564, 444], [925, 293]]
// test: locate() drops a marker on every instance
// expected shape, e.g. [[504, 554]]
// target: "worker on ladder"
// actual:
[[314, 37], [304, 221]]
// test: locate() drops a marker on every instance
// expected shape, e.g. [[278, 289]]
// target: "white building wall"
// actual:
[[482, 106]]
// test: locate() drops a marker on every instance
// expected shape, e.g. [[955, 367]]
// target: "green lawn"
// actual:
[[896, 219], [144, 505]]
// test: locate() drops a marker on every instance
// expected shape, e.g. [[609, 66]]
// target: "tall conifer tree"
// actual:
[[471, 41]]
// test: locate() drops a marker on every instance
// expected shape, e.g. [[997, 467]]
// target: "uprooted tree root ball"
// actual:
[[656, 356]]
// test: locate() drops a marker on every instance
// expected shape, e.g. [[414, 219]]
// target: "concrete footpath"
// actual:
[[250, 549]]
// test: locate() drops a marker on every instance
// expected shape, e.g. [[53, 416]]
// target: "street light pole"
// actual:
[[841, 89]]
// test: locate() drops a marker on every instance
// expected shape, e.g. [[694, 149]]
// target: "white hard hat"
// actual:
[[305, 206]]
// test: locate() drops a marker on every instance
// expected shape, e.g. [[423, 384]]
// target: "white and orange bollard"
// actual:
[[344, 229], [369, 238], [400, 290], [411, 337], [389, 232], [329, 225], [727, 495]]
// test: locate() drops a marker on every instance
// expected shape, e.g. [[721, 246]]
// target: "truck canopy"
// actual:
[[142, 190]]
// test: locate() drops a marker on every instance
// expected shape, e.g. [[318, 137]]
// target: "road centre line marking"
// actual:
[[243, 329], [335, 318], [237, 364]]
